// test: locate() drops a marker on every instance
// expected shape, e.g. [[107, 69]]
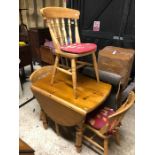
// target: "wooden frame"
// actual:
[[54, 102]]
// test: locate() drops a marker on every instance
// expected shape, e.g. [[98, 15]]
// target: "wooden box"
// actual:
[[117, 60], [47, 55]]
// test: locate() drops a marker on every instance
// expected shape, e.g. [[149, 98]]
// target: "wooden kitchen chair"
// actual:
[[62, 23], [106, 122]]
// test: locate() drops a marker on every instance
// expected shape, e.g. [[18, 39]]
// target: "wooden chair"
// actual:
[[112, 122], [62, 23]]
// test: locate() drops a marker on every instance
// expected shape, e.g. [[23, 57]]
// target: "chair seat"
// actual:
[[100, 119], [79, 48]]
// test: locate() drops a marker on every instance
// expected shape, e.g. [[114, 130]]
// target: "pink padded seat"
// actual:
[[79, 48], [100, 119]]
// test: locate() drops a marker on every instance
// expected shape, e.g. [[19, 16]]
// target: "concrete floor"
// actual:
[[46, 142]]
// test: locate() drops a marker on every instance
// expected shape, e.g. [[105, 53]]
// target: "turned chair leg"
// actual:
[[54, 68], [74, 76], [106, 146], [95, 66]]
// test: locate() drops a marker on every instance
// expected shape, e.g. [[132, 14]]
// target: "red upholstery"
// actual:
[[79, 48], [101, 118]]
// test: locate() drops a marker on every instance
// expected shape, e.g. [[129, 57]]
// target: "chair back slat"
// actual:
[[53, 33], [59, 34], [64, 31], [61, 25], [77, 37], [53, 27], [69, 32]]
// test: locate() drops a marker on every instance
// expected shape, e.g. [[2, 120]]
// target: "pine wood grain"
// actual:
[[63, 13], [90, 93], [59, 103]]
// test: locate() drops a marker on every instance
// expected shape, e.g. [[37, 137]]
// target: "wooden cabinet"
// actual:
[[25, 59], [25, 56], [37, 37]]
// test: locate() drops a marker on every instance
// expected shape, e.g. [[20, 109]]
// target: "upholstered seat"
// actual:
[[100, 119], [79, 48]]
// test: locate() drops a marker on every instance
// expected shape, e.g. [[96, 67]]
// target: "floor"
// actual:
[[46, 142]]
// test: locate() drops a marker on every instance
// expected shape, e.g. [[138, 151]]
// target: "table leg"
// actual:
[[44, 119], [79, 135]]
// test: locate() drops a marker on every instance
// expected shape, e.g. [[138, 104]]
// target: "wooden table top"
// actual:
[[90, 94]]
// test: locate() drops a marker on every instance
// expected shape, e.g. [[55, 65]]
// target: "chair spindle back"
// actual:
[[116, 118], [62, 22]]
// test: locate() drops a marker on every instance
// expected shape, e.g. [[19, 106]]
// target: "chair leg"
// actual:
[[95, 66], [106, 146], [54, 69], [74, 76]]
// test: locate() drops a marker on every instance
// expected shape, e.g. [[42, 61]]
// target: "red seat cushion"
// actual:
[[79, 48], [100, 119]]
